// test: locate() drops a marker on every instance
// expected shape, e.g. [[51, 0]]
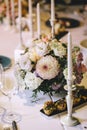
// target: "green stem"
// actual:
[[50, 96]]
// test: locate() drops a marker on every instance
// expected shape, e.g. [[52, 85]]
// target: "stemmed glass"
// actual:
[[8, 90], [2, 110]]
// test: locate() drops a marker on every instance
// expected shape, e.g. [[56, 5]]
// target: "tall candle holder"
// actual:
[[69, 120], [52, 22], [21, 47], [21, 44]]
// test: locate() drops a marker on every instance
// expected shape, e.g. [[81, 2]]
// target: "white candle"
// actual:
[[19, 11], [30, 16], [12, 10], [52, 21], [38, 20], [20, 24], [7, 11], [69, 57], [52, 10]]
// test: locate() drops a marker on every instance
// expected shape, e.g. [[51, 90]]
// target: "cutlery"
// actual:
[[14, 125]]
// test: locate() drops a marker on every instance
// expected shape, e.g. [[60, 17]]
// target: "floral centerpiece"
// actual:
[[43, 66]]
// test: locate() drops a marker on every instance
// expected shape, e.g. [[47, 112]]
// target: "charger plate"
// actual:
[[5, 61], [72, 22], [60, 35]]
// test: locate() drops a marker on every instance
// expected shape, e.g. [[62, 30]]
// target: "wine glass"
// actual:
[[8, 90], [2, 110]]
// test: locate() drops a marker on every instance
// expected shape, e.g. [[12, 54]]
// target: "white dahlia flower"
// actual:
[[47, 67]]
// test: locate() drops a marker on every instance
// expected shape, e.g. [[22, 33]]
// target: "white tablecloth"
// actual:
[[32, 119]]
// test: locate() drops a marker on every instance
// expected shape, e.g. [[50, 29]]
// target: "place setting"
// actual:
[[62, 24], [67, 22]]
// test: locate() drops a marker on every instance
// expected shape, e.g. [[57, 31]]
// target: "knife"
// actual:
[[14, 125]]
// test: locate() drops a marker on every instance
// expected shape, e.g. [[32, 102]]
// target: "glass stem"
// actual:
[[10, 103]]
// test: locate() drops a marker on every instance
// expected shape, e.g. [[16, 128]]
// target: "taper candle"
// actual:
[[20, 15], [38, 21], [69, 57], [19, 11], [20, 23], [12, 12], [7, 11], [52, 21], [52, 10], [31, 19]]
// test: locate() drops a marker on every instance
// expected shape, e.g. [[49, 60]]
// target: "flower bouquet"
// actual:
[[43, 66]]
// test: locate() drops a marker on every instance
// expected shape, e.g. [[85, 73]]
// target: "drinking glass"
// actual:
[[7, 89], [2, 110]]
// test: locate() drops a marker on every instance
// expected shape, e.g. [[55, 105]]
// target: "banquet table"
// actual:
[[31, 117]]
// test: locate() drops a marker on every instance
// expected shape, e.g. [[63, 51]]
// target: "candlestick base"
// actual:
[[8, 28], [69, 121], [17, 54], [21, 46]]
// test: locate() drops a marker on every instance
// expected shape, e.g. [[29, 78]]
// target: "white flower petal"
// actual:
[[47, 67], [32, 81]]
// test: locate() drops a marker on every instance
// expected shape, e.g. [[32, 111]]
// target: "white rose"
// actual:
[[25, 63], [60, 50], [20, 81], [32, 81], [41, 48]]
